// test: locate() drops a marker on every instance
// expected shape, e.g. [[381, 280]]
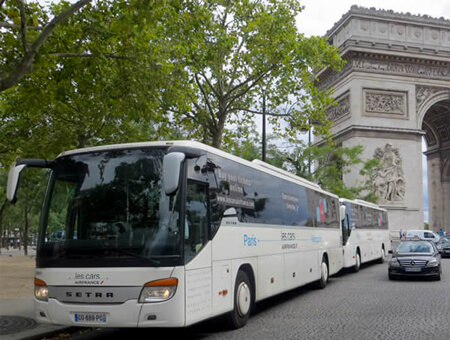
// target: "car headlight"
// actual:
[[160, 290], [394, 263], [433, 263], [40, 290]]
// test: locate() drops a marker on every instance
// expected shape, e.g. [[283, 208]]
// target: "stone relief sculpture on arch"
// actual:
[[389, 180]]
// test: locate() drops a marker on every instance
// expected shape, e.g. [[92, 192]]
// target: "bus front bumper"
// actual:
[[128, 314]]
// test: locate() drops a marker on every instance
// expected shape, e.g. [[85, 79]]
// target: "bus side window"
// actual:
[[196, 224]]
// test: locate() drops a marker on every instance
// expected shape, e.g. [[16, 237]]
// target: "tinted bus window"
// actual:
[[261, 198]]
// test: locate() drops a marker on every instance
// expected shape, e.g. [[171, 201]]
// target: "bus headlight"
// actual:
[[160, 290], [40, 290]]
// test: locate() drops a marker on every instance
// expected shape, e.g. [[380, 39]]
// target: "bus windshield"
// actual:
[[108, 209]]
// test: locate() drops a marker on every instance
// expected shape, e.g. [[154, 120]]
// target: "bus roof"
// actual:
[[362, 202], [255, 164]]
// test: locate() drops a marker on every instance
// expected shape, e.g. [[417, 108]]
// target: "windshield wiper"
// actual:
[[136, 255]]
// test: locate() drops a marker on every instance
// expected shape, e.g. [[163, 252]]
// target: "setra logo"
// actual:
[[95, 295]]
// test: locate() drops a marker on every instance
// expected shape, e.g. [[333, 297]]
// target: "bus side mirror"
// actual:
[[342, 212], [171, 171], [13, 182], [230, 212]]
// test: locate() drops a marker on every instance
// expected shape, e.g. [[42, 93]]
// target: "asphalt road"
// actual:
[[364, 305]]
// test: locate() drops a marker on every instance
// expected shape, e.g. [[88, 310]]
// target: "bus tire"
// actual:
[[324, 274], [383, 256], [357, 265], [243, 301]]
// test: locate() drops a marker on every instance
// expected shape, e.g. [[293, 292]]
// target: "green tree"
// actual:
[[22, 219], [326, 165], [238, 53], [26, 27], [105, 76]]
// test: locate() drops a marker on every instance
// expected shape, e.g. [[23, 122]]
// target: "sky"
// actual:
[[319, 16]]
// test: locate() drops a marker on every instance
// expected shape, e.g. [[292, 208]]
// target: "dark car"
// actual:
[[443, 246], [415, 258]]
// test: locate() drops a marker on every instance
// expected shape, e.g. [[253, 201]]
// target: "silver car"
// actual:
[[443, 245]]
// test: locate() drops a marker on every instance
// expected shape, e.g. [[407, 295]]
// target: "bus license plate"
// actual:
[[413, 269], [90, 317]]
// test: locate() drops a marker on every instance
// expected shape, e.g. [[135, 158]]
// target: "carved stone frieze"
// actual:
[[389, 180], [392, 103], [388, 65], [425, 92], [341, 110]]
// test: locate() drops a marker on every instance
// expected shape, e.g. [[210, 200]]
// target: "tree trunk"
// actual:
[[25, 232], [2, 209]]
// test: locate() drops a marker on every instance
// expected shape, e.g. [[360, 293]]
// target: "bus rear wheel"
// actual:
[[243, 301], [324, 273], [383, 256], [357, 265]]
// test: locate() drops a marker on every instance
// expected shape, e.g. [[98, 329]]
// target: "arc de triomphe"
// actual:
[[394, 91]]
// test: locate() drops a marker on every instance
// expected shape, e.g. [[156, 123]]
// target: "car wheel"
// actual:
[[438, 277], [243, 301]]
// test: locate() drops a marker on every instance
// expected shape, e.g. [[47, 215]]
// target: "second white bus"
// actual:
[[365, 231]]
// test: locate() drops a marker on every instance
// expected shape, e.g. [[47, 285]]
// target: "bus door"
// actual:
[[345, 224], [197, 252]]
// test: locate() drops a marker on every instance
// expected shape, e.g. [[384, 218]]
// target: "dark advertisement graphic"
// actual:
[[233, 192], [291, 202]]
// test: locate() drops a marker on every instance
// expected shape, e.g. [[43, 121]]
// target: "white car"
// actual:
[[422, 235]]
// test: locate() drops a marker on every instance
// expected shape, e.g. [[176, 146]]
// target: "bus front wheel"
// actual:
[[238, 317]]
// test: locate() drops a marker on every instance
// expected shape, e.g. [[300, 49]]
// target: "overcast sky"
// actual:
[[320, 15]]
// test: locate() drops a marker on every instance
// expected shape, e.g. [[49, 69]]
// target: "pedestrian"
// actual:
[[441, 233], [400, 234]]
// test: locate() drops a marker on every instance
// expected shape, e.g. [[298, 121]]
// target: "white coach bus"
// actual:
[[167, 234], [365, 231]]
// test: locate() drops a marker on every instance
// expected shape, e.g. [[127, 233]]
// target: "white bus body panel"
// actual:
[[370, 244], [281, 258]]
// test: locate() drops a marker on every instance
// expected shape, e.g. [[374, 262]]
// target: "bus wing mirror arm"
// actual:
[[14, 174]]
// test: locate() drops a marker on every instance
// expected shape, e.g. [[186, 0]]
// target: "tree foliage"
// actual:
[[239, 52], [326, 165], [27, 28], [106, 75]]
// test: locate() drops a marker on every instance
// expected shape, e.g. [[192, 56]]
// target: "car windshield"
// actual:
[[107, 209], [415, 247]]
